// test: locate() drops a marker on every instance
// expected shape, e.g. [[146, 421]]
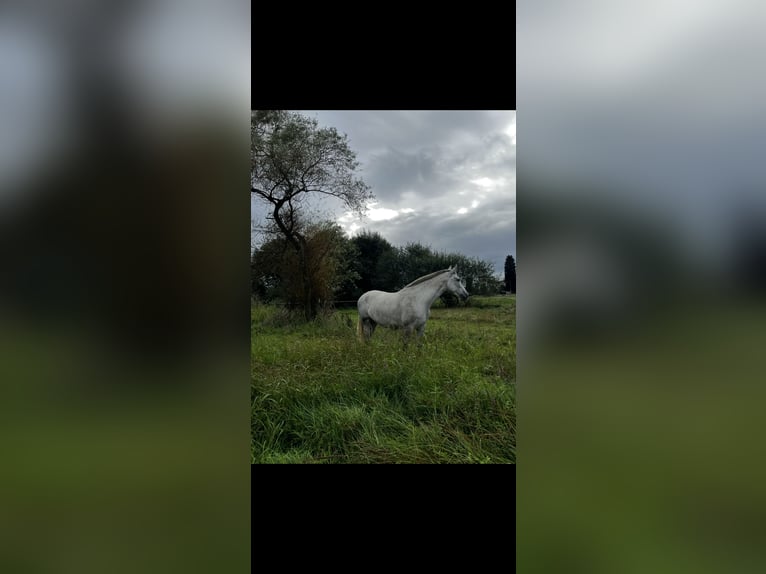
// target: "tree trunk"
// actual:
[[309, 305]]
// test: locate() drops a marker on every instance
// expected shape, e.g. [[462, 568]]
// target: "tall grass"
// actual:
[[320, 396]]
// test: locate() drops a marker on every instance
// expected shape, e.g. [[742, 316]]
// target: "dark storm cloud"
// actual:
[[375, 131], [394, 172]]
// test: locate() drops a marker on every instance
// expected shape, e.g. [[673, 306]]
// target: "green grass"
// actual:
[[320, 396]]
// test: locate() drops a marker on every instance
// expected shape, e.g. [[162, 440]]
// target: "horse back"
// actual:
[[388, 309], [363, 304], [377, 299]]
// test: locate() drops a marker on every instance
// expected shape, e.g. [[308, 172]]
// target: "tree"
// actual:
[[389, 271], [267, 268], [510, 274], [339, 260], [398, 266], [291, 160], [418, 260], [276, 270], [371, 246]]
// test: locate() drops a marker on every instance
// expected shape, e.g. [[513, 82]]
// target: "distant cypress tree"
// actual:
[[510, 274]]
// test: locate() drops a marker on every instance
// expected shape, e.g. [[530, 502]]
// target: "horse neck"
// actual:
[[432, 289]]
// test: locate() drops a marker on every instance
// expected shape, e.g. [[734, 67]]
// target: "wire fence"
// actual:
[[321, 303]]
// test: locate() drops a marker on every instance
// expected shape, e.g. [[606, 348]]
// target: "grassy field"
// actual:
[[320, 396]]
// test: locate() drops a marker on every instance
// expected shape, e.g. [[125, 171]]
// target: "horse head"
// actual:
[[455, 285]]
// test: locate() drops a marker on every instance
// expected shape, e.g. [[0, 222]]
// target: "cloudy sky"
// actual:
[[442, 178], [642, 121]]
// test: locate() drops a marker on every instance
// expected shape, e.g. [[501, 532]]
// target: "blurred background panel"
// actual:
[[642, 275], [124, 362]]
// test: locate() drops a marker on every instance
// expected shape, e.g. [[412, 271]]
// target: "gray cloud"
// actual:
[[394, 172], [409, 131]]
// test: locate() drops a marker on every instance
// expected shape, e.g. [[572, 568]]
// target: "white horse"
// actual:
[[409, 307]]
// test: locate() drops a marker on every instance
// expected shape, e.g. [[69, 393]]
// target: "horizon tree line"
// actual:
[[347, 267]]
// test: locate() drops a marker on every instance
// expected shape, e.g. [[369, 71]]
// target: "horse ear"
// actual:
[[450, 268]]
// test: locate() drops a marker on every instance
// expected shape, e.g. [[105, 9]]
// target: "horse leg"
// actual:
[[406, 336], [369, 328], [420, 331]]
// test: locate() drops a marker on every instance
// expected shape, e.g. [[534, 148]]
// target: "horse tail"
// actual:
[[359, 328]]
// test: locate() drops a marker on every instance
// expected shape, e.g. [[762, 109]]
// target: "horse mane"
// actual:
[[424, 278]]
